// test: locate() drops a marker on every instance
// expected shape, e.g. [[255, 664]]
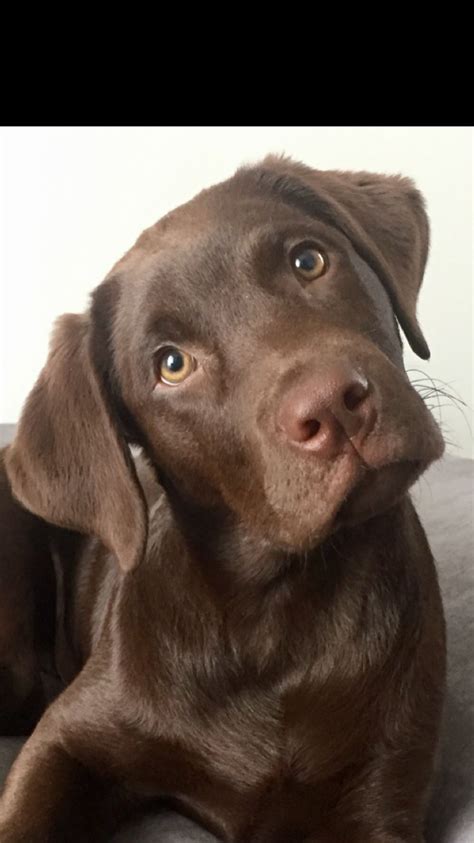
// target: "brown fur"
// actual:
[[268, 655]]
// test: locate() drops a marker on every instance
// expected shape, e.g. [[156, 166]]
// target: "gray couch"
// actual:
[[444, 498]]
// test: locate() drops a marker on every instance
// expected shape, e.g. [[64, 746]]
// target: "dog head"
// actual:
[[249, 342]]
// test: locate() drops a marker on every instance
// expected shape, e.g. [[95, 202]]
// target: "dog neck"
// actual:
[[236, 562]]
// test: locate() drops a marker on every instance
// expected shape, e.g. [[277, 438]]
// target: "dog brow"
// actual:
[[295, 193], [172, 327]]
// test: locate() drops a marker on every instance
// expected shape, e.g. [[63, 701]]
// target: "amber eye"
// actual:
[[308, 262], [173, 366]]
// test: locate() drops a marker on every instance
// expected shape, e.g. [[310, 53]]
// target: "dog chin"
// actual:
[[378, 491], [373, 492]]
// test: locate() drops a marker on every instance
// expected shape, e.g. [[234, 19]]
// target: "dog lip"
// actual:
[[379, 489]]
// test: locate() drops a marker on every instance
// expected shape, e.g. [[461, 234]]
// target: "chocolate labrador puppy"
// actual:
[[247, 615]]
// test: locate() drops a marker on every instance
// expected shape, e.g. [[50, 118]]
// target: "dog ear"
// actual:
[[385, 219], [69, 462]]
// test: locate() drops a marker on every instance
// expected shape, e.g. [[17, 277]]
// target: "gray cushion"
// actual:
[[444, 499], [445, 502]]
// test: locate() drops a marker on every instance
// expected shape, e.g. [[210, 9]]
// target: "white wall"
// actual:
[[74, 199]]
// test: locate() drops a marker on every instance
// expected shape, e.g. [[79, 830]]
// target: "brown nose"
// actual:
[[323, 410]]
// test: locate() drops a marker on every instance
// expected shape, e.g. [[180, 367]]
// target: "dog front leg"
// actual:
[[26, 611], [51, 797], [362, 833], [366, 836]]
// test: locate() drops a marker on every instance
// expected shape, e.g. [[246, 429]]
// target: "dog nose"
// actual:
[[322, 410]]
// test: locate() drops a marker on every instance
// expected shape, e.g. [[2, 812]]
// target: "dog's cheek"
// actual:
[[289, 503], [203, 457], [305, 498], [406, 428]]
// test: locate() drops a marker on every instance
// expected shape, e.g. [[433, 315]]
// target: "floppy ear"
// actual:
[[69, 463], [385, 219]]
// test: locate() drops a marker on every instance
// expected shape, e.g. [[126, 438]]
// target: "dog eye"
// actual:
[[308, 262], [173, 366]]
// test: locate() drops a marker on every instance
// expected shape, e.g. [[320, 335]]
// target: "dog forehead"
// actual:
[[225, 213], [189, 262], [210, 243]]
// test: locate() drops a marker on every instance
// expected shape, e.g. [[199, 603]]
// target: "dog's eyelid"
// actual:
[[191, 348], [308, 261], [201, 362], [172, 330], [305, 242]]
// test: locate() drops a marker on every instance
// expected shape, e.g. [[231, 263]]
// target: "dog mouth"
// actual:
[[386, 469], [378, 490], [358, 486]]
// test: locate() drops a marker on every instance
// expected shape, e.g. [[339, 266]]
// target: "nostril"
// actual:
[[323, 410], [355, 394], [310, 428]]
